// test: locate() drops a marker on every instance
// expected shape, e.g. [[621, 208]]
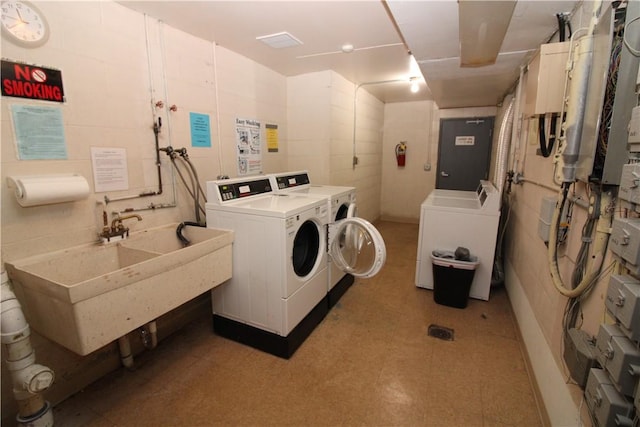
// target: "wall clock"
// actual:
[[23, 23]]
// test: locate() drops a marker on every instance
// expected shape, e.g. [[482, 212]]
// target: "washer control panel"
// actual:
[[226, 191]]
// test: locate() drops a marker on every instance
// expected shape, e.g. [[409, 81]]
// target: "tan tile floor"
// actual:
[[369, 363]]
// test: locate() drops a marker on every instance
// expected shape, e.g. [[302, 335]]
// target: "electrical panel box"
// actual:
[[603, 342], [623, 356], [607, 406], [579, 355], [623, 301], [603, 147], [545, 79], [630, 183], [547, 207], [634, 130], [625, 241]]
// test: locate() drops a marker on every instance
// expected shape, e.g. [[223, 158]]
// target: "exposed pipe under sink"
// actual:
[[30, 380]]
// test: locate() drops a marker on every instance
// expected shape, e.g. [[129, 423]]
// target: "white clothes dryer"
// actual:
[[341, 202]]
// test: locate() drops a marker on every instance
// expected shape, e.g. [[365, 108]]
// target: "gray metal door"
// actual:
[[464, 152]]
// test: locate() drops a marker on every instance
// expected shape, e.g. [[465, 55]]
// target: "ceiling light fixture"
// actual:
[[482, 27], [347, 48], [415, 87]]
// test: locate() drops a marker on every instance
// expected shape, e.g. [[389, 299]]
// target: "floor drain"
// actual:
[[440, 332]]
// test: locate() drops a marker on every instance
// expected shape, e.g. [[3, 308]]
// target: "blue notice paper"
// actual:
[[200, 130], [39, 132]]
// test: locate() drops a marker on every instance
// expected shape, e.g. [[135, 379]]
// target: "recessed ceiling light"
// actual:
[[280, 40]]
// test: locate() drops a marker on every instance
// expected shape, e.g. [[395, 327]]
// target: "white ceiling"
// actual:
[[429, 28]]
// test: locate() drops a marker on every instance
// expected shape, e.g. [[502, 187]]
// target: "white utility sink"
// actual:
[[87, 296]]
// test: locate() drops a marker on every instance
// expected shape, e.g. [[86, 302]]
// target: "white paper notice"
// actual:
[[465, 140], [109, 169]]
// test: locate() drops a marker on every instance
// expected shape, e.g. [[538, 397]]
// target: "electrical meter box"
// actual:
[[545, 79], [623, 355], [608, 407], [630, 183], [603, 342], [625, 241], [634, 130], [623, 301]]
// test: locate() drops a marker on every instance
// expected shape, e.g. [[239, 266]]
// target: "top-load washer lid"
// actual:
[[299, 182], [274, 205]]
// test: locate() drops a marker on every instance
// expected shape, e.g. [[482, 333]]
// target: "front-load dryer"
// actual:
[[277, 293], [341, 202]]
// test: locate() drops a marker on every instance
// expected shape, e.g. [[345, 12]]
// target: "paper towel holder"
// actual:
[[37, 190]]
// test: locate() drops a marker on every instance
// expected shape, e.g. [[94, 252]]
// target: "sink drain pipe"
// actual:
[[149, 334], [29, 379]]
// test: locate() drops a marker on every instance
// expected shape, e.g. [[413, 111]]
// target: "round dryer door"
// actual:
[[357, 247]]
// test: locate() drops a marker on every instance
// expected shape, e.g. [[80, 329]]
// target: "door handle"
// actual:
[[444, 174]]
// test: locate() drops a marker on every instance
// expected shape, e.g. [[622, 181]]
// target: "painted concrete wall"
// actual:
[[111, 85], [418, 123], [321, 135], [112, 82]]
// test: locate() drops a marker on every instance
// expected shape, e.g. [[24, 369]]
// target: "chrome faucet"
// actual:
[[117, 228]]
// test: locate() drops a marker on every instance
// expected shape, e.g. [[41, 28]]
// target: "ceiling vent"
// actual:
[[280, 40]]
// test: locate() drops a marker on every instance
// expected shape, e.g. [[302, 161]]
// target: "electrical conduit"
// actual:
[[29, 379], [603, 230], [504, 139], [570, 155]]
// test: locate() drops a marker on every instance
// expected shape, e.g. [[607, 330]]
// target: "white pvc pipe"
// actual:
[[126, 356], [29, 379], [504, 139], [516, 120], [153, 330]]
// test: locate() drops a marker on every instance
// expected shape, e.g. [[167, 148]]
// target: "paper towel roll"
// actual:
[[49, 189]]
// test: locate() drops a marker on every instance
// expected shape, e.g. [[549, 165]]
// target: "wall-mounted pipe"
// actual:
[[504, 140], [515, 128], [578, 86], [126, 356], [29, 379]]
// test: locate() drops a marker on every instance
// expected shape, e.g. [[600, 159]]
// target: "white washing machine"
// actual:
[[278, 291], [341, 202], [461, 194], [447, 223]]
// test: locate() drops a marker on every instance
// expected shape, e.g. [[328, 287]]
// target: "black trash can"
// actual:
[[452, 278]]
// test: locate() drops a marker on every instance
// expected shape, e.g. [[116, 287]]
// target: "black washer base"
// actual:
[[270, 342], [340, 289]]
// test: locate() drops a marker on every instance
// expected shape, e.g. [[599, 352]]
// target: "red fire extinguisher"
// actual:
[[401, 153]]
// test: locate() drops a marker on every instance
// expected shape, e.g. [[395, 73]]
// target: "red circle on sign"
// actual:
[[39, 75]]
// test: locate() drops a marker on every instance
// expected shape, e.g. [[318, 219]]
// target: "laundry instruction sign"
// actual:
[[31, 82], [249, 146]]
